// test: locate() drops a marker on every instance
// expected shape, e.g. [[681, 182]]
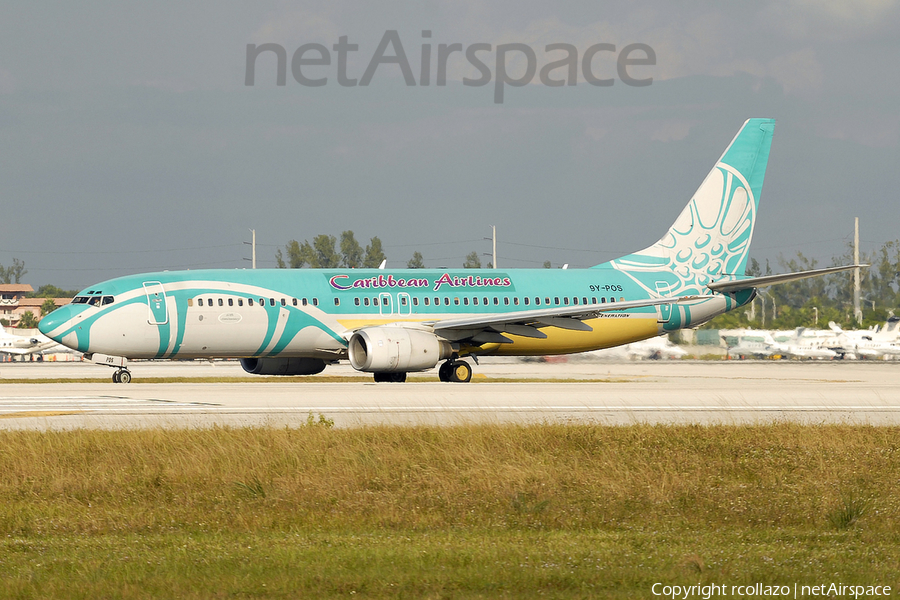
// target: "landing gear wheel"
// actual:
[[115, 377], [389, 377], [444, 371], [122, 376], [460, 372]]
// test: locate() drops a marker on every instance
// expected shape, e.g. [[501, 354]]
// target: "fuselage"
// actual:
[[311, 312]]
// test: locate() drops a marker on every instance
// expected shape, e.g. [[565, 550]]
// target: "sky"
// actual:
[[130, 142]]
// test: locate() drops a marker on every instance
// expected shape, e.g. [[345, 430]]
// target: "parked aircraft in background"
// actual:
[[655, 348], [864, 343], [20, 345], [390, 322], [758, 344]]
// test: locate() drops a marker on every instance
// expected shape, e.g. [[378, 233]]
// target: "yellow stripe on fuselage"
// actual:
[[607, 331]]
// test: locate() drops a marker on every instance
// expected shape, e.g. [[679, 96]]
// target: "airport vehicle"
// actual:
[[391, 322]]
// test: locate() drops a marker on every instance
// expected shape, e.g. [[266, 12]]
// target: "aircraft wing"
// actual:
[[735, 285], [487, 328]]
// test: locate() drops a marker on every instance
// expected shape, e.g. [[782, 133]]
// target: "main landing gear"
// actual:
[[122, 376], [390, 377], [456, 371]]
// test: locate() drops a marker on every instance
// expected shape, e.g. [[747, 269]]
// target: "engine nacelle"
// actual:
[[396, 349], [283, 366]]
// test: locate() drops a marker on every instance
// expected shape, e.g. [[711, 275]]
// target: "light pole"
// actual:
[[816, 311]]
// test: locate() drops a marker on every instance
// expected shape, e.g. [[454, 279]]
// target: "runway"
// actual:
[[571, 392]]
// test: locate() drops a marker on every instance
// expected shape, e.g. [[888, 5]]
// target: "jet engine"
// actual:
[[395, 349], [283, 366]]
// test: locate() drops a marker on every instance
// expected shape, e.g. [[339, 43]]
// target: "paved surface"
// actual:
[[649, 391]]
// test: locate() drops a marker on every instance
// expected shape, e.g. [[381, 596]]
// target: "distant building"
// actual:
[[14, 304]]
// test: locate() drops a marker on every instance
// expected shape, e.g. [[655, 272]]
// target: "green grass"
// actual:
[[477, 511]]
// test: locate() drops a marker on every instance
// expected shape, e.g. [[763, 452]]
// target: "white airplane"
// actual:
[[805, 343], [863, 344], [21, 345], [750, 342], [651, 349], [394, 321]]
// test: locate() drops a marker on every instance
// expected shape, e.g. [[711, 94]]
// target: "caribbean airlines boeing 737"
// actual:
[[391, 322]]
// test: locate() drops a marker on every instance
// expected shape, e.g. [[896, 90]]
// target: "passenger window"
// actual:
[[466, 301], [506, 301], [516, 300], [337, 301], [446, 301], [283, 302], [375, 301], [402, 300], [221, 303], [622, 299], [456, 301], [209, 302], [356, 301], [315, 301], [199, 301], [426, 300], [537, 301], [366, 301], [240, 301], [303, 302], [485, 300], [603, 300], [190, 302], [249, 301], [496, 301], [231, 302], [547, 301], [584, 300], [566, 300], [526, 300], [593, 300], [415, 301], [293, 302], [475, 300], [556, 301], [271, 301]]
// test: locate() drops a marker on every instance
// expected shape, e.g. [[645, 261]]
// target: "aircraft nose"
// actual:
[[53, 323]]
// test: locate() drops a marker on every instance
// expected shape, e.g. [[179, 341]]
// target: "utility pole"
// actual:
[[494, 236], [493, 239], [252, 243], [857, 313]]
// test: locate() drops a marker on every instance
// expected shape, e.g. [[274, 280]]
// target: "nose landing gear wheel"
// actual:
[[121, 376]]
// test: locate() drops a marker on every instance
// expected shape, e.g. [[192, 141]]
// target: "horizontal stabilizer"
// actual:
[[736, 285]]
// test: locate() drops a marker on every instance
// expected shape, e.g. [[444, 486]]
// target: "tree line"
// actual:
[[816, 301], [324, 252]]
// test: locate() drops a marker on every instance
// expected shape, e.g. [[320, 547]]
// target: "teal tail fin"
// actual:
[[712, 235]]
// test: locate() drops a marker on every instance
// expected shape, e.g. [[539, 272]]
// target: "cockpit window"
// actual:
[[80, 300], [94, 301], [108, 300]]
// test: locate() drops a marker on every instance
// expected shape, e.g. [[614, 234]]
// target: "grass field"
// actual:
[[481, 511]]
